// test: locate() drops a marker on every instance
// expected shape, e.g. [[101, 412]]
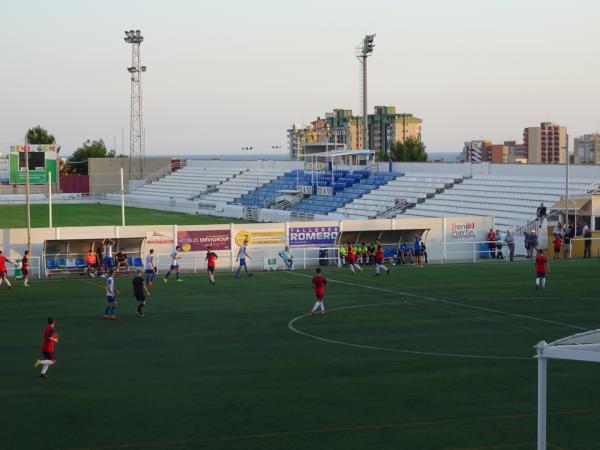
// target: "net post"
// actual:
[[542, 392]]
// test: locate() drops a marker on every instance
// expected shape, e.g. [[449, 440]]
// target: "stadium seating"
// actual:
[[347, 186], [235, 187], [512, 200], [266, 194], [412, 188], [184, 184]]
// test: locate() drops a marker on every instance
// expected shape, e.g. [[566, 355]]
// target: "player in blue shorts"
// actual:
[[111, 297], [174, 265], [241, 257], [150, 268]]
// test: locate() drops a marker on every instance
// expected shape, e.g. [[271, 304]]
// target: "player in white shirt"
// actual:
[[108, 254], [150, 268], [241, 257], [174, 264], [111, 298]]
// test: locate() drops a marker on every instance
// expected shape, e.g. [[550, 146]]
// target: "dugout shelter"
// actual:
[[67, 256], [390, 239]]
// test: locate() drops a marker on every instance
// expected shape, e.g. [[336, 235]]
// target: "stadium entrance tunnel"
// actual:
[[68, 256]]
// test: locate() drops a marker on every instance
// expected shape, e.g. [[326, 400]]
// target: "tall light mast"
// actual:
[[137, 148], [363, 51]]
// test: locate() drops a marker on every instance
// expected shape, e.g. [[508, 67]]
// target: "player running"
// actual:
[[111, 298], [50, 338], [352, 259], [211, 262], [241, 257], [541, 267], [3, 271], [25, 268], [139, 292], [175, 258], [379, 260], [150, 267], [318, 283]]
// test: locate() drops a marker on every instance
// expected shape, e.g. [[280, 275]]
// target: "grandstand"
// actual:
[[511, 200], [358, 192], [402, 191]]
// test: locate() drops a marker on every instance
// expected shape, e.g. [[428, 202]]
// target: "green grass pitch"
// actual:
[[219, 368], [89, 214]]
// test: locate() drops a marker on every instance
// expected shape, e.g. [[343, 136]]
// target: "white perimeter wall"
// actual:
[[267, 239]]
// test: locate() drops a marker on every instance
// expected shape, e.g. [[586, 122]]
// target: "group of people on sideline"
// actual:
[[496, 239], [100, 259]]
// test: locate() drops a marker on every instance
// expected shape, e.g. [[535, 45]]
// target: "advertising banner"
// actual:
[[462, 231], [197, 241], [155, 237], [42, 162], [260, 237], [313, 235]]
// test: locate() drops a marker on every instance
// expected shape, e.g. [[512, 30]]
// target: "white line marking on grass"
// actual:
[[431, 299], [450, 302]]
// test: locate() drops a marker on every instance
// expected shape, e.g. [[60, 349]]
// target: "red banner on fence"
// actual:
[[197, 241]]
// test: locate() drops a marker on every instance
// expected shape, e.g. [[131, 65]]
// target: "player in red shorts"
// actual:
[[351, 258], [319, 282], [211, 263], [541, 267], [25, 268], [379, 260], [50, 338], [3, 271]]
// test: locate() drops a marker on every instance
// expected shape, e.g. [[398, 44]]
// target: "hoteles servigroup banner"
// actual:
[[38, 174], [198, 240]]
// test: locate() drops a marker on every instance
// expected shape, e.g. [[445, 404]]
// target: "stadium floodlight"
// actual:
[[136, 119], [363, 51]]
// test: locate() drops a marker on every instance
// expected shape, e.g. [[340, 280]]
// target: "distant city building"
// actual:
[[341, 130], [587, 149], [476, 151], [479, 151], [546, 144]]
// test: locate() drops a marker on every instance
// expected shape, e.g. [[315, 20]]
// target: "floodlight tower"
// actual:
[[136, 116], [363, 51]]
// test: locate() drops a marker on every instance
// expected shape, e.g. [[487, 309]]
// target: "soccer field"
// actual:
[[89, 214], [432, 358]]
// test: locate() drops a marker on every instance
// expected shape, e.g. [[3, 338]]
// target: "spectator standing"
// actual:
[[499, 239], [587, 241], [533, 243], [568, 236], [417, 247], [100, 257], [491, 243], [558, 230], [510, 243], [557, 242], [527, 236]]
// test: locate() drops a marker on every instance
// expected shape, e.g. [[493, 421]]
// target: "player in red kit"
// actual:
[[541, 267], [50, 338], [25, 268], [211, 262], [3, 271], [351, 258], [379, 260], [319, 282]]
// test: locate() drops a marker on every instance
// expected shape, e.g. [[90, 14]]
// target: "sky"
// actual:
[[228, 74]]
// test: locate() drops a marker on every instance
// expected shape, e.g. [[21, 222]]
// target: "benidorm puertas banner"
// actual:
[[313, 235], [197, 241], [260, 237]]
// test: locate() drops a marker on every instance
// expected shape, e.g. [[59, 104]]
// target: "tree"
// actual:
[[39, 135], [78, 162], [410, 150]]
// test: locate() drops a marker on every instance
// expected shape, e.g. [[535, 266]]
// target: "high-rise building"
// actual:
[[587, 149], [341, 130], [386, 127], [477, 151], [546, 144]]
